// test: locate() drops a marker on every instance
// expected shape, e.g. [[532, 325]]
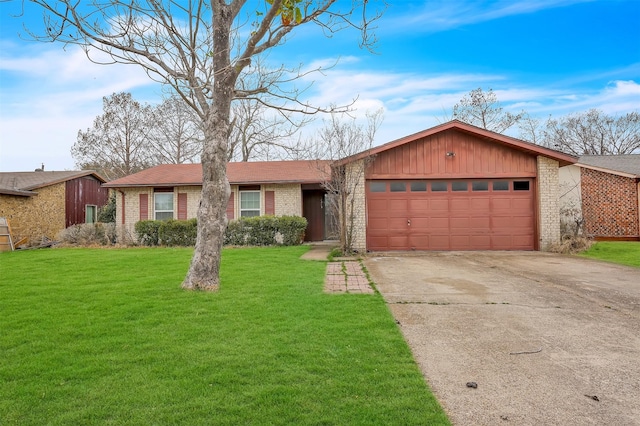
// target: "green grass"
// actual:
[[91, 336], [623, 252]]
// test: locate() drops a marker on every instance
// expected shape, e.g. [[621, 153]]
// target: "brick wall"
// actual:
[[548, 204], [42, 215], [356, 183], [288, 201], [609, 204]]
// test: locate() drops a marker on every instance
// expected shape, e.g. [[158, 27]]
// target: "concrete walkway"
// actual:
[[343, 275]]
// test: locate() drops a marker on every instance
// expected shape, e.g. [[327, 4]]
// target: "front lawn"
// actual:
[[106, 336], [623, 252]]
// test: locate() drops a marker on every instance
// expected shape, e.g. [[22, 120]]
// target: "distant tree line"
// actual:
[[130, 136], [586, 133]]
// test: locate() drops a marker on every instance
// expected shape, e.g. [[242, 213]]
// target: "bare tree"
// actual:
[[531, 129], [259, 131], [341, 138], [176, 136], [594, 133], [198, 48], [117, 144], [482, 109]]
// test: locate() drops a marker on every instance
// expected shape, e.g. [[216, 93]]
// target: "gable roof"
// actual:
[[531, 148], [623, 165], [24, 183], [258, 172]]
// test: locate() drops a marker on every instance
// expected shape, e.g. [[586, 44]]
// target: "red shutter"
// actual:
[[270, 202], [182, 206], [230, 207], [123, 209], [144, 206]]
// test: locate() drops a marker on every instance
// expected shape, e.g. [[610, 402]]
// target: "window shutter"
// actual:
[[144, 206], [230, 207], [270, 202], [182, 206], [124, 211]]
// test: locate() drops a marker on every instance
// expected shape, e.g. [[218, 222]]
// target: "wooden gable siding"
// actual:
[[80, 192], [474, 157]]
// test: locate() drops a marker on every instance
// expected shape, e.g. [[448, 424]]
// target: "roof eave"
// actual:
[[64, 179], [562, 158]]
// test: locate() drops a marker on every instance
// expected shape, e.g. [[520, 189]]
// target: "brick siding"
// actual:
[[288, 201], [609, 204], [548, 204], [42, 215], [356, 184]]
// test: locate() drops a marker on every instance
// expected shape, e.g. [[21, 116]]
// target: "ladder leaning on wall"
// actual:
[[6, 243]]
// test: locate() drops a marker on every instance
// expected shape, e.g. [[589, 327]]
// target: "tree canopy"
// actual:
[[199, 48]]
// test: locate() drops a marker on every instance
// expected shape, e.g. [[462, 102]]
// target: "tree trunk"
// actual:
[[204, 271]]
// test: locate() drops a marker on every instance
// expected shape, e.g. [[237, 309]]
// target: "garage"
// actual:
[[457, 187], [460, 214]]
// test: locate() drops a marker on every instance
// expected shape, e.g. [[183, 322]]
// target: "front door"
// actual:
[[313, 211]]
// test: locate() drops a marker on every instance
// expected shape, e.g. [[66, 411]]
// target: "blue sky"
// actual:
[[548, 57]]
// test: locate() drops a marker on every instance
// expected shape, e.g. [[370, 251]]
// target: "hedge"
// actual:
[[250, 231], [266, 231]]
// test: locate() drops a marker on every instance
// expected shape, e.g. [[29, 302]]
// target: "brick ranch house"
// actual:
[[451, 187], [172, 191], [42, 203], [604, 192]]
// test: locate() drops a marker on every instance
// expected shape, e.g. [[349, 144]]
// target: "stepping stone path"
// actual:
[[346, 277]]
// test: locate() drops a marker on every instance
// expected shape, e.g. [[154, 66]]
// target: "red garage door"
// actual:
[[450, 215]]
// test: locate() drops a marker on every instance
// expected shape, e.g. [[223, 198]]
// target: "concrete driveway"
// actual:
[[548, 339]]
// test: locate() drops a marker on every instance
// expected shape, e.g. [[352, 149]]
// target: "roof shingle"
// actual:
[[629, 163], [10, 182], [259, 172]]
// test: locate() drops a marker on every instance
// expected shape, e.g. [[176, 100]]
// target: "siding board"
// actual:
[[474, 157]]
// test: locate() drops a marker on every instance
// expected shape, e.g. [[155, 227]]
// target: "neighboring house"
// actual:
[[172, 191], [602, 193], [42, 203], [457, 187], [451, 187]]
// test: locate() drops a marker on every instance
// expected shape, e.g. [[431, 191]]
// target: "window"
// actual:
[[480, 185], [501, 185], [377, 186], [163, 205], [397, 187], [418, 186], [90, 213], [520, 185], [438, 186], [249, 203], [457, 185]]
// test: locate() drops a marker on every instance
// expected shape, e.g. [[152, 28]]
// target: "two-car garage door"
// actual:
[[457, 214]]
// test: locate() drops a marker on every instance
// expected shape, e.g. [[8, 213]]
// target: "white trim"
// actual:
[[259, 209], [156, 211]]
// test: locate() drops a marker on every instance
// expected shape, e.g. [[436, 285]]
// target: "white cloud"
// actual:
[[414, 102], [443, 15], [48, 95]]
